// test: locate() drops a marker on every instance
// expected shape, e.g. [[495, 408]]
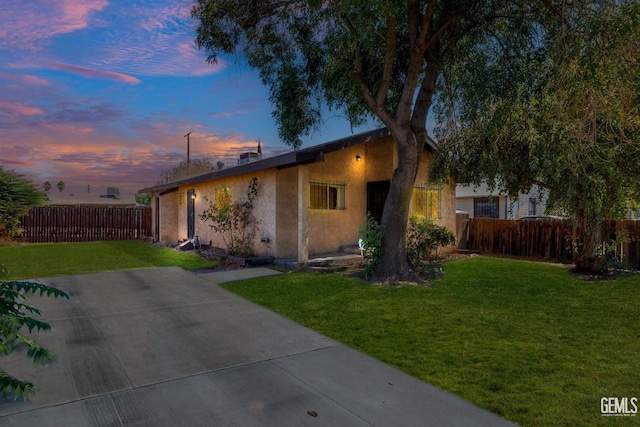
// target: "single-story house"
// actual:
[[479, 202], [310, 201]]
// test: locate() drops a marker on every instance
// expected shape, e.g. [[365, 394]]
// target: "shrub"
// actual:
[[234, 220], [425, 239], [14, 317]]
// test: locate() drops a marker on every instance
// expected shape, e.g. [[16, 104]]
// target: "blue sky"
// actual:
[[101, 92]]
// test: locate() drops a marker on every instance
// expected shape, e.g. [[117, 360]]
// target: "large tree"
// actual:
[[569, 122], [380, 59]]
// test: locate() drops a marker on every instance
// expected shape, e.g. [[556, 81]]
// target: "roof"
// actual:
[[298, 157], [73, 199]]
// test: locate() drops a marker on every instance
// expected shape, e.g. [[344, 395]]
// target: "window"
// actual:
[[533, 204], [484, 207], [326, 195], [427, 202]]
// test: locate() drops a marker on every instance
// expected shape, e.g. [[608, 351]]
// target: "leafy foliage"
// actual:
[[17, 195], [371, 234], [14, 316], [143, 199], [234, 221], [424, 239], [568, 118]]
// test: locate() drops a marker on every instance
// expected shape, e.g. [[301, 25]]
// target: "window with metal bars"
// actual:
[[485, 207], [327, 195], [427, 202]]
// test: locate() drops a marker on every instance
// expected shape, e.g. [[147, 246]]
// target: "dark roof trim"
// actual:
[[304, 156]]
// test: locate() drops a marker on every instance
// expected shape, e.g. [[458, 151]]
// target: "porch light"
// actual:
[[358, 158], [193, 196]]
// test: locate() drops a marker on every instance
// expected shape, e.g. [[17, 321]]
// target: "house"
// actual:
[[309, 201], [479, 201], [112, 198]]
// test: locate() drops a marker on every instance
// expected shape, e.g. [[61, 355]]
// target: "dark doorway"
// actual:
[[376, 196], [156, 234], [191, 217]]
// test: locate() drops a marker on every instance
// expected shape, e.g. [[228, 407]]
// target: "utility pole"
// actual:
[[188, 159]]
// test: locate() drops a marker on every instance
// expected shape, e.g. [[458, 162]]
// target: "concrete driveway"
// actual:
[[164, 346]]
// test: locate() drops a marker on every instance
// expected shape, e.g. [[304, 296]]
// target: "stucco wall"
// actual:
[[286, 218], [168, 216], [379, 160], [263, 210], [330, 229]]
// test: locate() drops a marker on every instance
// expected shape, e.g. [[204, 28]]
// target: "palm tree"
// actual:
[[60, 186]]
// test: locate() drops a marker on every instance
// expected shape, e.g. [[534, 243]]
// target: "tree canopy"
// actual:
[[186, 169], [17, 195], [569, 121]]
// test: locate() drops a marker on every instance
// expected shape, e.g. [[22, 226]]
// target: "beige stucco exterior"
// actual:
[[287, 225]]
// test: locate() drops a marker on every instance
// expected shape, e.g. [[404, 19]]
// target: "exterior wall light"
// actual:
[[358, 158]]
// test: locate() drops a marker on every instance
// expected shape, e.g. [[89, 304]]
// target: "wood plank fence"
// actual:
[[551, 240], [85, 223]]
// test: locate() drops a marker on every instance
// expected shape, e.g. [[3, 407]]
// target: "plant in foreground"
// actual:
[[14, 316]]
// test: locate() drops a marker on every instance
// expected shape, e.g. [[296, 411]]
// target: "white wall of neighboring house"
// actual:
[[470, 198]]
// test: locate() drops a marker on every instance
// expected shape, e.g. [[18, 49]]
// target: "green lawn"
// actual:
[[523, 340], [53, 259]]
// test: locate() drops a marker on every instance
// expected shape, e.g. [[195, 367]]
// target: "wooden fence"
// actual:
[[85, 223], [551, 240]]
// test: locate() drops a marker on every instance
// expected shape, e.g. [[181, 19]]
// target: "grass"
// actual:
[[524, 340], [54, 259]]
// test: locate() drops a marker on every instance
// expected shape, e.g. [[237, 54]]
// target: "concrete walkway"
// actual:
[[168, 347]]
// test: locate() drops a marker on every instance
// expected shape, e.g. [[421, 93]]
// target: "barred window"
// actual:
[[427, 202], [326, 195], [484, 207]]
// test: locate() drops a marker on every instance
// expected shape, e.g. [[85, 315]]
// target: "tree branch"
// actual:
[[388, 60], [424, 98], [426, 23]]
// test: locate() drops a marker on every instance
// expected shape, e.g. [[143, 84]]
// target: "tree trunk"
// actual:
[[584, 258], [393, 266]]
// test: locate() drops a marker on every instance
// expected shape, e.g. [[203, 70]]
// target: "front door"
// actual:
[[376, 196], [191, 217]]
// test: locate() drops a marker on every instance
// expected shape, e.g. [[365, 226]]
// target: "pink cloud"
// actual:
[[217, 115], [35, 80], [31, 24], [91, 73], [19, 109], [29, 79], [12, 162], [68, 128]]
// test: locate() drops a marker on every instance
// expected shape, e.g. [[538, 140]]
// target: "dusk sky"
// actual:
[[100, 93]]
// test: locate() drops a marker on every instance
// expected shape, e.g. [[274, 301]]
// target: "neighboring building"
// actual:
[[479, 202], [310, 201], [112, 198]]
